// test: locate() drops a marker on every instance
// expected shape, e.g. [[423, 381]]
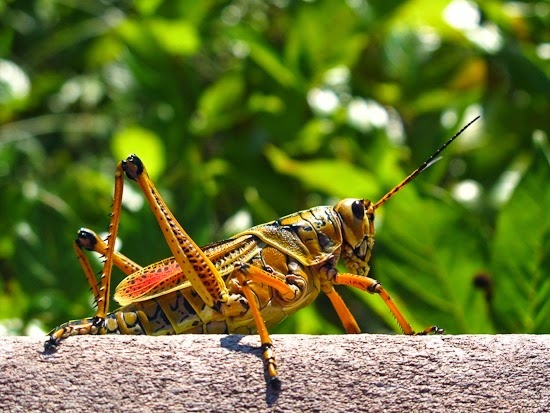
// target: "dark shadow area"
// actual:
[[232, 342]]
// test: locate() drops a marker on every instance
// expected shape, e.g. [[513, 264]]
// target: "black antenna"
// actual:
[[430, 161]]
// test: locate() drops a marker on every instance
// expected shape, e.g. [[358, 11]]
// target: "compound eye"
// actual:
[[358, 209]]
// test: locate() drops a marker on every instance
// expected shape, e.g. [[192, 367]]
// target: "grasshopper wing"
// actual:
[[156, 279], [166, 276]]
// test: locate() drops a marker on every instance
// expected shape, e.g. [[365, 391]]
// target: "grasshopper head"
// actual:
[[357, 218]]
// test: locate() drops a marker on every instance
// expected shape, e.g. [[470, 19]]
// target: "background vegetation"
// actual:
[[248, 110]]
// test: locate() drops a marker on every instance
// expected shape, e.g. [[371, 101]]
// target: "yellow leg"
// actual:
[[373, 286], [104, 292], [267, 345], [347, 319], [274, 280], [195, 265], [90, 241], [87, 268]]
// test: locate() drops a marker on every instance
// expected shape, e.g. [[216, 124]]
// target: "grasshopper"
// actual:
[[241, 285]]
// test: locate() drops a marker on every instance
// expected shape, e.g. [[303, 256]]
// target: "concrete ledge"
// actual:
[[319, 373]]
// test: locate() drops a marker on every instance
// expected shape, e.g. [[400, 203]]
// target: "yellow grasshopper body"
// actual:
[[242, 285]]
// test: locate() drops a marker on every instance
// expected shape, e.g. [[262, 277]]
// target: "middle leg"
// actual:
[[374, 287]]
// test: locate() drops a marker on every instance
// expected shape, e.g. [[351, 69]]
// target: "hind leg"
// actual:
[[90, 241]]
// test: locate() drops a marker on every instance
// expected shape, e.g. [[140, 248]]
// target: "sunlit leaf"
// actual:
[[325, 175], [147, 7], [175, 36], [142, 142]]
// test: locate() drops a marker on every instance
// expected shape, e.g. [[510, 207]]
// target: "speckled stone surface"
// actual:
[[211, 373]]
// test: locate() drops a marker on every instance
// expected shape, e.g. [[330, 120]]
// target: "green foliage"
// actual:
[[246, 110], [520, 255]]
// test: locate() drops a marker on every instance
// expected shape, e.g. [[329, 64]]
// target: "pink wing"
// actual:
[[156, 279]]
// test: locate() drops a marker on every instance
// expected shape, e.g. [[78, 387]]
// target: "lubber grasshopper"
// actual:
[[242, 285]]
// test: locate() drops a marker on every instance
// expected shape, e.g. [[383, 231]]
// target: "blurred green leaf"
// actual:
[[175, 36], [520, 253], [325, 175], [219, 105], [147, 7], [145, 143], [265, 57], [341, 98], [421, 242]]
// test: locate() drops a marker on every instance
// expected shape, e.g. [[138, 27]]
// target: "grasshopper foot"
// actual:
[[51, 345], [430, 330], [275, 383]]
